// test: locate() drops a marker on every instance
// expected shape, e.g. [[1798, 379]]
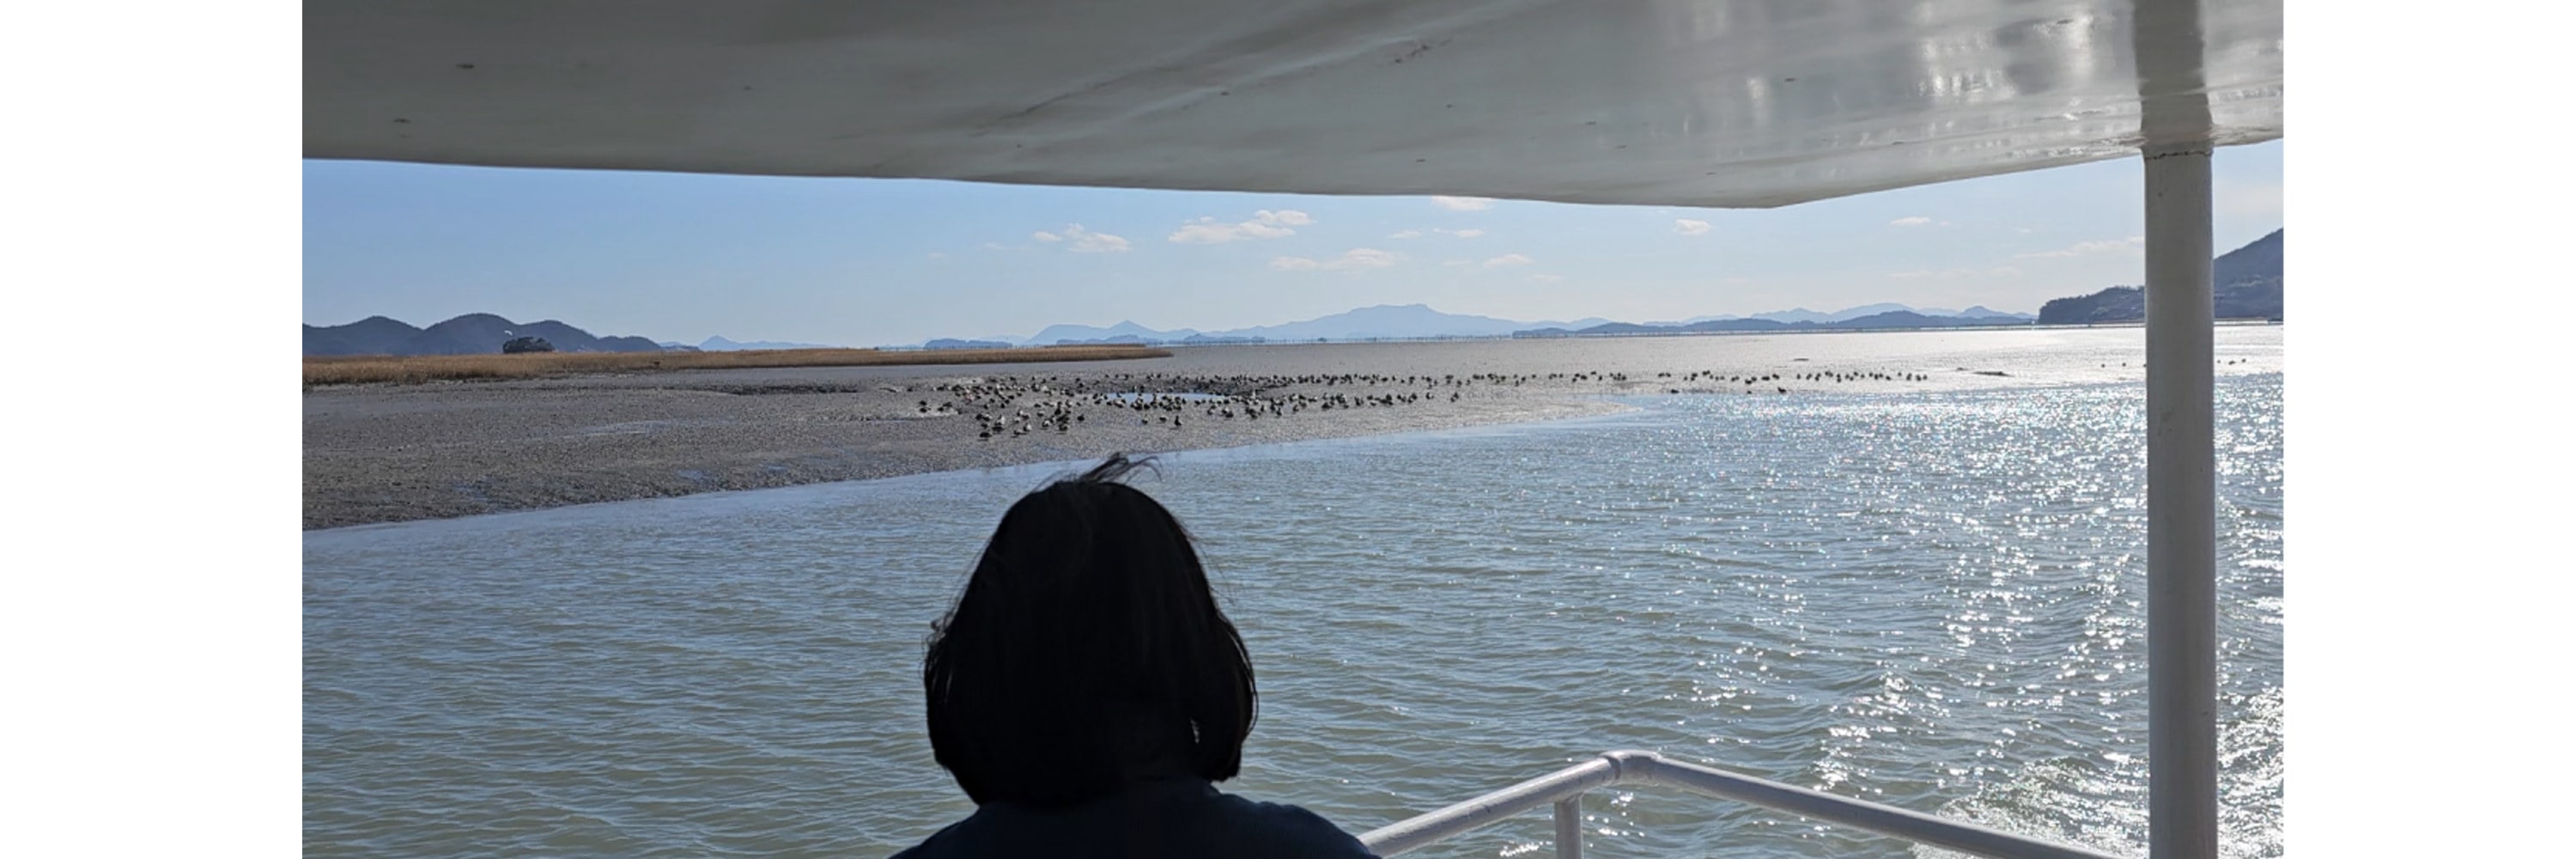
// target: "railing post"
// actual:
[[1569, 827]]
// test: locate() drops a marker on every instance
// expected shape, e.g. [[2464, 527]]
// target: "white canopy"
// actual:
[[1716, 103]]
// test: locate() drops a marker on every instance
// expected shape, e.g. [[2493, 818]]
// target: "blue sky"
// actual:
[[873, 262]]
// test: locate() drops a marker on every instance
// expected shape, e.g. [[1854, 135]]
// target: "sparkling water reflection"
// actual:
[[1930, 600]]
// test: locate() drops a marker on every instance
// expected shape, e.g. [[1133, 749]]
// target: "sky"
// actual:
[[865, 262]]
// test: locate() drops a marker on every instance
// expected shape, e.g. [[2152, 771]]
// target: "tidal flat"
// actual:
[[389, 453]]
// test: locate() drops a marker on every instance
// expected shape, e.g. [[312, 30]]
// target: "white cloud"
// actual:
[[1088, 242], [1462, 204], [2131, 244], [1206, 231], [1690, 226], [1508, 259], [1467, 233], [1079, 240], [938, 255], [1363, 258], [1265, 224], [1350, 259], [1406, 234], [1910, 221]]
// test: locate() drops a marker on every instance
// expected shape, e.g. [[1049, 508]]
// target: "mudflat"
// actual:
[[386, 453], [396, 452]]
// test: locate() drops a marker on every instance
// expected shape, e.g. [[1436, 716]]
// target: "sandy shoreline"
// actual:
[[391, 453]]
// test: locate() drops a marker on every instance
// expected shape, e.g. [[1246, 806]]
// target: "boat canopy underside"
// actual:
[[1734, 103]]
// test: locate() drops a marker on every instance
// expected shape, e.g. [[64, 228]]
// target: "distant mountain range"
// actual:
[[470, 334], [1382, 322], [2245, 283], [1420, 322], [719, 344], [1875, 316], [1847, 314]]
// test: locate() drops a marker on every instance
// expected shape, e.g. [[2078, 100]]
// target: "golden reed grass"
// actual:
[[362, 369]]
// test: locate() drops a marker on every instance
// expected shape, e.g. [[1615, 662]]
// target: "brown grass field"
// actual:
[[364, 369]]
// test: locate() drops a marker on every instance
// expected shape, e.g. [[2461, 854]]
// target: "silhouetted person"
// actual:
[[1086, 693]]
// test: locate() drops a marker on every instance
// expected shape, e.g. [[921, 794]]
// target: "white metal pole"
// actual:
[[2182, 520], [1569, 827]]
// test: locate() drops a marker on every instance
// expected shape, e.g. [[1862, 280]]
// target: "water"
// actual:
[[1933, 600]]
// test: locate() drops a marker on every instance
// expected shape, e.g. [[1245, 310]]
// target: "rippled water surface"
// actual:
[[1933, 600]]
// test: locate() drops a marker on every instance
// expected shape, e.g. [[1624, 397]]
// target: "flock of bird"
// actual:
[[1012, 407], [1749, 381]]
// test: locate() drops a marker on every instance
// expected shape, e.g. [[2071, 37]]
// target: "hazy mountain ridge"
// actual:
[[1126, 331], [1882, 315], [1381, 322], [1421, 322], [720, 344], [1805, 321], [2246, 282]]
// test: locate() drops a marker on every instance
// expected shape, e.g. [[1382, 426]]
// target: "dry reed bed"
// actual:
[[412, 370]]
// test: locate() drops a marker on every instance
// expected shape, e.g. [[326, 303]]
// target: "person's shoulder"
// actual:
[[927, 849], [940, 844], [1288, 830]]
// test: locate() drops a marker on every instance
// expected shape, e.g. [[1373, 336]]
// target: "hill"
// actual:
[[374, 335], [470, 334], [2245, 283]]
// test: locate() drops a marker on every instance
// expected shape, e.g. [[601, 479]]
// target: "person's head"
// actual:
[[1087, 652]]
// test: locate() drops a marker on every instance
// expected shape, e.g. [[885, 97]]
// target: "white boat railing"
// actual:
[[1565, 789]]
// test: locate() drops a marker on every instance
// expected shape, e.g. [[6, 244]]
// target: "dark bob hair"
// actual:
[[1086, 653]]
